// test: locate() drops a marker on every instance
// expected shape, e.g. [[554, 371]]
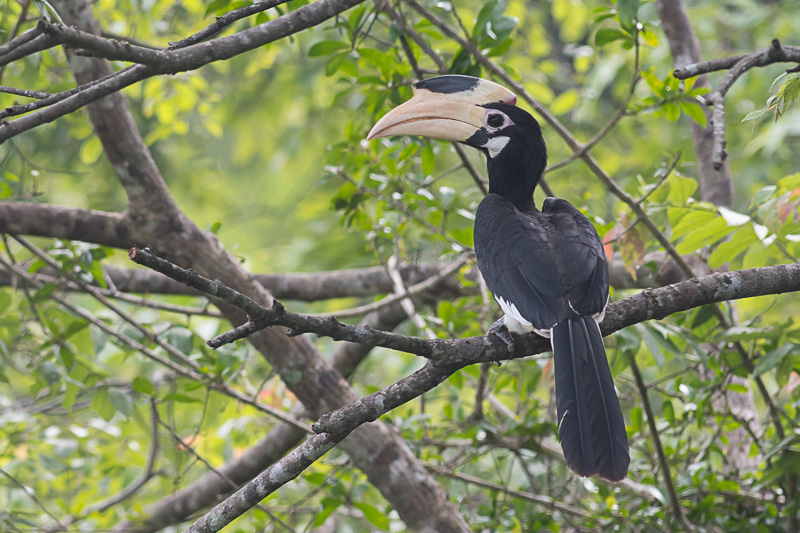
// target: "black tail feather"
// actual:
[[591, 427]]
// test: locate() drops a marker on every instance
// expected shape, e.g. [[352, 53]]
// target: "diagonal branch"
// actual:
[[180, 60], [448, 356]]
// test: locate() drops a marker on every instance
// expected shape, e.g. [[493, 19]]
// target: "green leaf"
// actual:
[[672, 111], [650, 339], [668, 412], [680, 188], [374, 515], [729, 250], [608, 35], [427, 159], [102, 405], [737, 387], [764, 194], [637, 419], [490, 11], [142, 385], [712, 232], [695, 111], [181, 338], [627, 9], [650, 37], [180, 398], [335, 63], [772, 358], [328, 506], [120, 401], [217, 6], [90, 150], [565, 102], [324, 48]]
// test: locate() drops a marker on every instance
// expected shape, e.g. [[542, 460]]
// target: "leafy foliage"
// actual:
[[268, 150]]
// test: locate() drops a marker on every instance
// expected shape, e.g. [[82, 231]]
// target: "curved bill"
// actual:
[[445, 107]]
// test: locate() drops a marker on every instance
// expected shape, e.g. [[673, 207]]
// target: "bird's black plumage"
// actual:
[[547, 269], [549, 272]]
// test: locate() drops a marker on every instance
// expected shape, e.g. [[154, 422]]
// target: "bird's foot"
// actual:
[[499, 330]]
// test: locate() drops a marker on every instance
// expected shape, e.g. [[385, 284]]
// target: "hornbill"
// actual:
[[547, 269]]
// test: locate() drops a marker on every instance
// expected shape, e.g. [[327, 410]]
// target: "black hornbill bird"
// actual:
[[547, 269]]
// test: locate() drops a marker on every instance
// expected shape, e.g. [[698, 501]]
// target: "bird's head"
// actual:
[[481, 114]]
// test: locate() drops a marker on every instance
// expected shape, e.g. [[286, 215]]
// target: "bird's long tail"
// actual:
[[591, 427]]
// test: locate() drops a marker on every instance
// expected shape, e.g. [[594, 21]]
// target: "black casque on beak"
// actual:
[[446, 107]]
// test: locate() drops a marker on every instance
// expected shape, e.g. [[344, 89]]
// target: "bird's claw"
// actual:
[[499, 330]]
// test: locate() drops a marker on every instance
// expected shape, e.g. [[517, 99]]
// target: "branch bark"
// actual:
[[403, 481], [448, 356], [189, 58], [210, 488]]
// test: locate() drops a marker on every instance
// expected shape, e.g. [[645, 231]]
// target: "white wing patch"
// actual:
[[496, 145], [515, 322]]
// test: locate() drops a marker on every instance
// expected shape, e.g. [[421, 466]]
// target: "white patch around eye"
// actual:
[[496, 145]]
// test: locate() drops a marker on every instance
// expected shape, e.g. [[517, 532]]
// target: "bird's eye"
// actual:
[[495, 120]]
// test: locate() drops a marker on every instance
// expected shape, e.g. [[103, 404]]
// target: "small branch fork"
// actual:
[[445, 356], [737, 65]]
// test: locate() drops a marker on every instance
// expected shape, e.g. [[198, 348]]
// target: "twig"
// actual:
[[24, 92], [235, 486], [646, 305], [189, 58], [406, 303], [417, 288], [271, 479], [420, 41], [102, 294], [527, 496], [165, 361], [28, 43], [726, 63], [29, 493], [662, 458], [224, 21], [775, 53]]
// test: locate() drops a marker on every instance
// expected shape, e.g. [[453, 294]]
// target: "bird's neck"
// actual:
[[515, 179]]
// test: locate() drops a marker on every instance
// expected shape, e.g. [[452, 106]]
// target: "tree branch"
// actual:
[[210, 488], [760, 58], [178, 60], [44, 220], [448, 356], [647, 305], [775, 53]]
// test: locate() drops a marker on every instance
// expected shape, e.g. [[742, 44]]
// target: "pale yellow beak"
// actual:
[[451, 115]]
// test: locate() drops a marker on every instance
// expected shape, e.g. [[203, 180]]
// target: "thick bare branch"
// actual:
[[43, 220], [452, 355], [180, 60], [416, 496], [647, 305]]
